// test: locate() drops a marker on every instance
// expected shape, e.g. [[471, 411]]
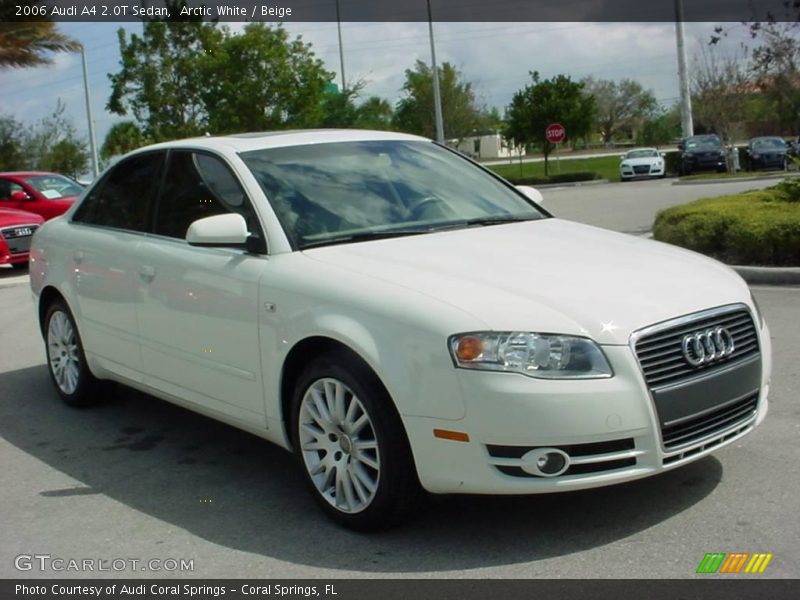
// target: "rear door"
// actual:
[[105, 268]]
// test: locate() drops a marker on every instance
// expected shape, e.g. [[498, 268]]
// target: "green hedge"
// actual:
[[557, 178], [752, 228]]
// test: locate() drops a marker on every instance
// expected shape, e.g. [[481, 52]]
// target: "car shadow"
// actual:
[[238, 491], [7, 272]]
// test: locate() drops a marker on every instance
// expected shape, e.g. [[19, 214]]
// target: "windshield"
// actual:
[[710, 142], [644, 153], [349, 191], [54, 187], [768, 144]]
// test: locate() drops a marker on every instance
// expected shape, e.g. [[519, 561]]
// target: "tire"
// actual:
[[20, 266], [66, 361], [354, 455]]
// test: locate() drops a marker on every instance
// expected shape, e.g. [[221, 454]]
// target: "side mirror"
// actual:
[[19, 196], [681, 146], [229, 229], [663, 154], [531, 193]]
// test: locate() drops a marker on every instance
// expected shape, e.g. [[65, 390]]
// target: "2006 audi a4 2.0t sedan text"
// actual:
[[398, 316]]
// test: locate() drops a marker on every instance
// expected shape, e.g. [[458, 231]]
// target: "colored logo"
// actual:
[[735, 562]]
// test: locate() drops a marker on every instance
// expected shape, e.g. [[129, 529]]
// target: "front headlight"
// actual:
[[547, 356]]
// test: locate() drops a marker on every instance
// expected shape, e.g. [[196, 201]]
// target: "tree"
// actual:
[[12, 144], [190, 78], [67, 156], [340, 109], [160, 82], [261, 80], [51, 144], [374, 113], [720, 87], [775, 62], [27, 44], [535, 106], [415, 112], [661, 129], [122, 138], [623, 106]]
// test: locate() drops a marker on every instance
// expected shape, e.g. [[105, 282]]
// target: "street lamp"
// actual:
[[687, 126], [437, 97], [341, 49], [89, 118]]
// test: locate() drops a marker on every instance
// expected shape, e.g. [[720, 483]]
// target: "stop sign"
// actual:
[[555, 133]]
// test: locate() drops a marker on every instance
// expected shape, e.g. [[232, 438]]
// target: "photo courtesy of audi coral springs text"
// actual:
[[397, 316]]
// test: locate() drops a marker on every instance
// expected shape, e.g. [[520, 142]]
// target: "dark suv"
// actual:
[[702, 153]]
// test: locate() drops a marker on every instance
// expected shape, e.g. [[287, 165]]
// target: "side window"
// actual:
[[121, 200], [196, 186], [5, 190]]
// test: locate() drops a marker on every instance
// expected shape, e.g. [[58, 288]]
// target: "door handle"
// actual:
[[78, 256], [147, 273]]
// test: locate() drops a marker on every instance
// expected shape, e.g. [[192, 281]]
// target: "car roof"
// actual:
[[244, 142]]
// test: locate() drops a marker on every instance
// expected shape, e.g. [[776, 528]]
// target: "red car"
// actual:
[[16, 230], [46, 194]]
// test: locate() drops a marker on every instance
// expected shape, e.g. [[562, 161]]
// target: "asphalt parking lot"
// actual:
[[139, 479]]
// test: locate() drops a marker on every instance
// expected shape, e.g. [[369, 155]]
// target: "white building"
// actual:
[[488, 146]]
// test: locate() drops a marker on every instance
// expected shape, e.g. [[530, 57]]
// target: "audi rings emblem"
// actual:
[[705, 347]]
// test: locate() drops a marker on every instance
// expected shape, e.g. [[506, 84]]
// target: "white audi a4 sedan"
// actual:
[[396, 315]]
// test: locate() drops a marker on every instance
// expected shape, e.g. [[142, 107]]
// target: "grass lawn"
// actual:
[[606, 166]]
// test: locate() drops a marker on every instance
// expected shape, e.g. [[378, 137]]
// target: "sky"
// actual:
[[495, 57]]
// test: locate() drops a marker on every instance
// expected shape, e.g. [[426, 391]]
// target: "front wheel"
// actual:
[[351, 445], [65, 358]]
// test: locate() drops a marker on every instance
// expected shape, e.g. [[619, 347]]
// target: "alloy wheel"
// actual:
[[339, 446]]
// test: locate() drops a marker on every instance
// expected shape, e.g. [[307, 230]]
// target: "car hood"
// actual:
[[10, 217], [549, 276]]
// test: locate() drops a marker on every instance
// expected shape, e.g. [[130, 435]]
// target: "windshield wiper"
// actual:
[[497, 220], [365, 236]]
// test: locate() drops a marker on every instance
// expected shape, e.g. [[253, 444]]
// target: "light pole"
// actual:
[[687, 126], [341, 49], [89, 118], [437, 97]]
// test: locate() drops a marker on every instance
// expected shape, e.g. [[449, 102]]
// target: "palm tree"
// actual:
[[26, 44]]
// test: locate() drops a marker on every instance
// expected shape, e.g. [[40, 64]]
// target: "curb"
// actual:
[[782, 175], [769, 275], [570, 184]]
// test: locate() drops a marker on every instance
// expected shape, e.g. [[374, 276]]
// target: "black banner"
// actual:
[[401, 10], [709, 588]]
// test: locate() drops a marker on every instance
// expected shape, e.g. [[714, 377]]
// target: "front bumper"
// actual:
[[609, 428], [631, 172]]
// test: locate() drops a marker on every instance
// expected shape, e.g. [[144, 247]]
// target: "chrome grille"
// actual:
[[660, 353], [18, 238]]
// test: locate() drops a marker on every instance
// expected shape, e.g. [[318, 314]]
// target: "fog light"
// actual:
[[545, 462]]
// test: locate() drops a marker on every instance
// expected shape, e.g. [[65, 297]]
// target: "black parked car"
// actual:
[[702, 153], [766, 153]]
